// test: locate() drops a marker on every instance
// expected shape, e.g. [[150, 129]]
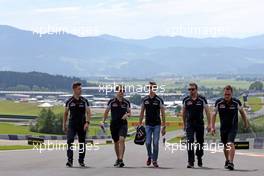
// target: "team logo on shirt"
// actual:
[[81, 105], [146, 102], [72, 104], [114, 105], [222, 106], [155, 103], [232, 107], [189, 103], [123, 106]]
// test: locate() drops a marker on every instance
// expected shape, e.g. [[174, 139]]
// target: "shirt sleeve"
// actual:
[[128, 106], [205, 102], [142, 103], [162, 103], [67, 104], [109, 105], [183, 103], [87, 105], [239, 105], [216, 107]]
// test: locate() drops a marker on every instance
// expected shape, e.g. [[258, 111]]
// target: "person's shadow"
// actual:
[[206, 168], [78, 167], [244, 170], [235, 170], [143, 167]]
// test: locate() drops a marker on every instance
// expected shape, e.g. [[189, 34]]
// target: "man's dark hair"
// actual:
[[119, 88], [194, 84], [152, 83], [76, 84], [228, 87]]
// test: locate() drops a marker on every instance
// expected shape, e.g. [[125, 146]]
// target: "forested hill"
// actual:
[[36, 81]]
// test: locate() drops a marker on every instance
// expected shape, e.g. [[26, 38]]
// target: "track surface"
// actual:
[[100, 162]]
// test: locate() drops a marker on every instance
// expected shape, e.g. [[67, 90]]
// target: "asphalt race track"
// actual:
[[100, 162]]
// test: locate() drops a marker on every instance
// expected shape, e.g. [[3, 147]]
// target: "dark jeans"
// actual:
[[198, 131], [70, 139]]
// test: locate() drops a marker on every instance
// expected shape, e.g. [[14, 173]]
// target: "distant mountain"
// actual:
[[107, 55], [178, 41]]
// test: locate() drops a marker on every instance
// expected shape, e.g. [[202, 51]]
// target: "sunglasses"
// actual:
[[191, 89], [152, 87]]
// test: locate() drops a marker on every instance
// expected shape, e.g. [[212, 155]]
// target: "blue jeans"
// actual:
[[153, 134]]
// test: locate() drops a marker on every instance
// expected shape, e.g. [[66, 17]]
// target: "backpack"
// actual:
[[140, 137]]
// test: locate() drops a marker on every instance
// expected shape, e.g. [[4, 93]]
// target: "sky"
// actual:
[[137, 19]]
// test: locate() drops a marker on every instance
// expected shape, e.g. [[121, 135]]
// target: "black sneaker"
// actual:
[[121, 163], [230, 166], [148, 161], [69, 164], [155, 164], [200, 162], [82, 164], [226, 164], [117, 163], [190, 165]]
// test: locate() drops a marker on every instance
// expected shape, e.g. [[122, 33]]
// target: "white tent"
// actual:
[[45, 105]]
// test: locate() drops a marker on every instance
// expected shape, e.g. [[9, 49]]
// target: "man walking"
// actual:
[[153, 105], [193, 109], [228, 108], [80, 115], [120, 111]]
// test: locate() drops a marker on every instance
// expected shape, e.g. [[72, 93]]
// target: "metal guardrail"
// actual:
[[62, 137], [256, 140], [250, 135], [24, 117], [254, 115], [254, 143], [33, 92]]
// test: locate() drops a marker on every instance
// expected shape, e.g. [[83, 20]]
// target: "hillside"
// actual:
[[105, 55]]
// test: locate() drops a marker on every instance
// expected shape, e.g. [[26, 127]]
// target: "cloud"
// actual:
[[143, 18], [58, 9]]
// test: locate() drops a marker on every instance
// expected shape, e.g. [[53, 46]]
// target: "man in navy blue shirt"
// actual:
[[228, 108], [78, 110], [153, 106], [193, 120], [120, 111]]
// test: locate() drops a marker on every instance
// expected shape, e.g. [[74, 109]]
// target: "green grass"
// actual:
[[135, 119], [8, 128], [23, 108], [175, 140], [220, 83], [93, 130], [259, 121], [15, 147], [209, 83], [168, 119], [255, 103], [257, 125]]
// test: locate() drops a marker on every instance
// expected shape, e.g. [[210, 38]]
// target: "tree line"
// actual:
[[36, 81]]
